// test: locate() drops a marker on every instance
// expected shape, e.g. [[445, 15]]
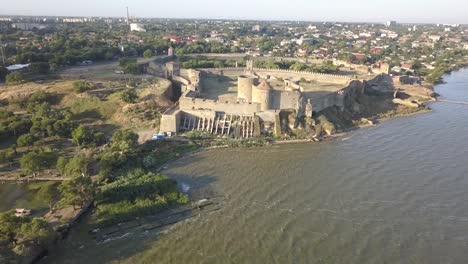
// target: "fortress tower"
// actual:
[[262, 94], [245, 83], [172, 69]]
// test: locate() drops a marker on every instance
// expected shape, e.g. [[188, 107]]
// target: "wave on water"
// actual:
[[185, 187]]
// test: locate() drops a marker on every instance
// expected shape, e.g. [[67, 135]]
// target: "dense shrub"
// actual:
[[129, 96], [33, 162], [14, 78], [137, 194], [81, 86], [83, 136]]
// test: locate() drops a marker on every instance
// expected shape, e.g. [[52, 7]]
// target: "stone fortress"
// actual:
[[262, 98]]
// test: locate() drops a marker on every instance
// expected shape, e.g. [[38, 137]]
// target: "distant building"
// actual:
[[74, 20], [434, 38], [215, 39], [391, 23], [257, 28], [28, 26], [359, 56], [137, 27]]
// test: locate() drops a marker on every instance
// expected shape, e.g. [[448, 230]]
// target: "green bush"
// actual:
[[81, 86], [6, 156], [40, 67], [16, 233], [129, 96], [83, 136], [14, 78], [33, 162], [26, 140], [148, 53]]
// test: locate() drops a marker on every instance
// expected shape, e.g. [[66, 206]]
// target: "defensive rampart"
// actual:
[[284, 74]]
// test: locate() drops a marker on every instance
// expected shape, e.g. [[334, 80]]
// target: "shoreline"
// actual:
[[326, 138]]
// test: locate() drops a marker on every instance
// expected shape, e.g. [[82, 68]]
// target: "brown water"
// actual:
[[394, 193]]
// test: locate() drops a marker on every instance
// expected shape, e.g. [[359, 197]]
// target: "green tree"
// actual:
[[131, 68], [61, 164], [36, 231], [40, 67], [26, 140], [3, 73], [33, 162], [148, 53], [17, 232], [50, 194], [78, 165], [14, 77], [83, 136], [124, 141], [77, 191]]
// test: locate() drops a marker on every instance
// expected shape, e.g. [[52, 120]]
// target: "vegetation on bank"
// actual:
[[137, 194], [46, 134], [22, 236], [449, 61]]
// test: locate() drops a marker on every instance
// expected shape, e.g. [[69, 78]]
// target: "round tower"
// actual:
[[244, 87], [262, 94]]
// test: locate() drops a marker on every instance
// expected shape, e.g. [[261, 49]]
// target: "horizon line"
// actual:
[[241, 19]]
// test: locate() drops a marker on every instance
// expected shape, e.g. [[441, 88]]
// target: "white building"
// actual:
[[137, 27]]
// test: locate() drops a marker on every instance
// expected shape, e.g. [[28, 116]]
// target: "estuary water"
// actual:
[[393, 193]]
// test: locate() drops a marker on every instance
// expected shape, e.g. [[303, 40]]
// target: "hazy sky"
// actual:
[[433, 11]]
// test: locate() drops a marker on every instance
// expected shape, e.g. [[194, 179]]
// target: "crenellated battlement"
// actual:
[[285, 74]]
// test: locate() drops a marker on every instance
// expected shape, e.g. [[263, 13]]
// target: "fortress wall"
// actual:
[[297, 75], [339, 98], [285, 74], [290, 100], [226, 71], [181, 80], [385, 68], [329, 100], [188, 104], [169, 91], [285, 100]]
